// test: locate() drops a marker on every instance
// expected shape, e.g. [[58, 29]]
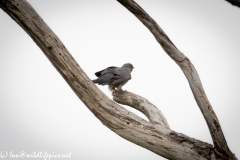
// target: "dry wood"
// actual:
[[155, 135], [191, 74], [154, 115]]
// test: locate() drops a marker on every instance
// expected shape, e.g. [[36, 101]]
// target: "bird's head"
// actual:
[[129, 66]]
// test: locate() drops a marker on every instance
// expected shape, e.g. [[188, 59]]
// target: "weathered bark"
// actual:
[[191, 74], [157, 118], [155, 135], [234, 2], [154, 115]]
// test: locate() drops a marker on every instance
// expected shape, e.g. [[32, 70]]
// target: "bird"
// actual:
[[114, 77]]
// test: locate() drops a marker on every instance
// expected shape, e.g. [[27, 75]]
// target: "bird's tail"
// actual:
[[95, 81]]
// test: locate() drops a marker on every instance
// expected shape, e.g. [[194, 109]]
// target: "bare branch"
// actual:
[[121, 121], [154, 115], [202, 147], [191, 74], [156, 138]]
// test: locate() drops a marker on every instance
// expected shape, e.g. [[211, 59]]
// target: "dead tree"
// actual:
[[154, 135]]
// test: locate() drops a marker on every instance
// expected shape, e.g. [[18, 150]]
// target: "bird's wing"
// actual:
[[104, 71], [120, 75], [105, 76]]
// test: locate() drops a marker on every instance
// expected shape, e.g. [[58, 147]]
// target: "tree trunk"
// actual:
[[154, 135]]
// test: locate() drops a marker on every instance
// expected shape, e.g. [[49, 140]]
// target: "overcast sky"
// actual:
[[40, 112]]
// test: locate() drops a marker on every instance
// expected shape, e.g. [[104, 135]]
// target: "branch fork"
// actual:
[[154, 115], [154, 135]]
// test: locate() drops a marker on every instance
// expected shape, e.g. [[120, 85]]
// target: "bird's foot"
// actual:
[[120, 90], [117, 92], [113, 92]]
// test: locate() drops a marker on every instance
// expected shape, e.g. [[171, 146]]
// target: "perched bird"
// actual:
[[114, 77]]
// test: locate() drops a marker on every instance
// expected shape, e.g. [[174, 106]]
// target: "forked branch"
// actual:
[[154, 115], [154, 135], [220, 144]]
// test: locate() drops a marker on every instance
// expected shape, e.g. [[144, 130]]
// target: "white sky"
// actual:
[[39, 111]]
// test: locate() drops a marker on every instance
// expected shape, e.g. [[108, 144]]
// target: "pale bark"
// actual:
[[154, 135], [191, 74], [154, 115]]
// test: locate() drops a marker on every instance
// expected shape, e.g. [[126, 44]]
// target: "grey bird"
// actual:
[[114, 77]]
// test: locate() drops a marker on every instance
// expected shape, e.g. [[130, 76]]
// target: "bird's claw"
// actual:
[[114, 92]]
